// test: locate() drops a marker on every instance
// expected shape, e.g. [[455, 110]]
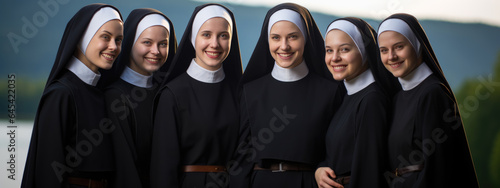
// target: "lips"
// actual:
[[153, 60], [213, 54], [338, 68], [396, 65], [285, 55], [109, 57]]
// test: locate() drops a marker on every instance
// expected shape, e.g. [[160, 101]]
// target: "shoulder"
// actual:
[[114, 89], [434, 90], [258, 82], [180, 82], [57, 94], [58, 89], [374, 97]]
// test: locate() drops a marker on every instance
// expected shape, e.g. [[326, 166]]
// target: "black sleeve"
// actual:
[[370, 148], [447, 161], [165, 156], [244, 155], [119, 111], [46, 162]]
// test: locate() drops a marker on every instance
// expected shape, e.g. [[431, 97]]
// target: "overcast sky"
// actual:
[[482, 11]]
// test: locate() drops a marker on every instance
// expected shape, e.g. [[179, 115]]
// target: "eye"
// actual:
[[294, 36], [344, 49], [383, 50], [118, 41], [329, 50], [399, 47], [105, 37], [224, 36], [275, 37], [206, 35], [163, 44]]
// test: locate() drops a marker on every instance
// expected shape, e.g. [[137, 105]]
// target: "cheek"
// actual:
[[138, 51]]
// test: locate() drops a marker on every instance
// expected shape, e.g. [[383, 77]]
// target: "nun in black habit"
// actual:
[[288, 98], [148, 46], [356, 141], [71, 144], [427, 143], [196, 117]]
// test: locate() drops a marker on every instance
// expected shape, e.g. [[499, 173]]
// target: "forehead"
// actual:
[[391, 37], [284, 26], [338, 36], [215, 23], [155, 30]]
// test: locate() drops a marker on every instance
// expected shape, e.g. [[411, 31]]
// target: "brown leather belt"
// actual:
[[90, 183], [282, 167], [203, 168], [344, 180], [408, 169]]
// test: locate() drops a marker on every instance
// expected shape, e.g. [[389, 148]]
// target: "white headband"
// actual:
[[100, 18], [353, 32], [401, 27], [149, 21], [205, 14], [286, 15]]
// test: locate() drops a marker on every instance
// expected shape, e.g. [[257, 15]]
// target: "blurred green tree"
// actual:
[[479, 102]]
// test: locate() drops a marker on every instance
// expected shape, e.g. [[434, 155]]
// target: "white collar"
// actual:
[[136, 79], [83, 72], [291, 74], [203, 75], [360, 82], [416, 77]]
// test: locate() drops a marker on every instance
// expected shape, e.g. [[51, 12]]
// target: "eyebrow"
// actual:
[[109, 33]]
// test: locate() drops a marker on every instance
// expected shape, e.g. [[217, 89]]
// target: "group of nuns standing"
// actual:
[[125, 107]]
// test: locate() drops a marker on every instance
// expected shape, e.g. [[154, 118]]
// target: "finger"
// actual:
[[330, 173]]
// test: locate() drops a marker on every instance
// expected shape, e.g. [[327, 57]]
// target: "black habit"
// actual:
[[356, 141], [195, 123], [71, 134], [284, 121], [427, 129], [130, 108]]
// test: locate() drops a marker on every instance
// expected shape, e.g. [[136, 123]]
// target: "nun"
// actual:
[[71, 143], [196, 118], [427, 145], [147, 47], [356, 139], [288, 99]]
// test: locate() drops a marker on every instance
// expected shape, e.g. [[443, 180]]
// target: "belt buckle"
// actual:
[[280, 168], [396, 172]]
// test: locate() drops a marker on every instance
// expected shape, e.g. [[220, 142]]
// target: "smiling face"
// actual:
[[286, 44], [150, 51], [104, 46], [397, 53], [342, 57], [213, 43]]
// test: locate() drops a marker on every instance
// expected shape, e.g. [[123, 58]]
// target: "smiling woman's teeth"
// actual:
[[152, 60], [396, 64], [108, 56], [339, 67], [285, 55], [212, 54]]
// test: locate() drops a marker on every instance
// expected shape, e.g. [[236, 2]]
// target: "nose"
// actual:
[[336, 57], [112, 45], [392, 55], [154, 50], [284, 45], [214, 42]]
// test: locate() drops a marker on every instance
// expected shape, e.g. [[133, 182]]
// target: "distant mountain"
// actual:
[[464, 50]]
